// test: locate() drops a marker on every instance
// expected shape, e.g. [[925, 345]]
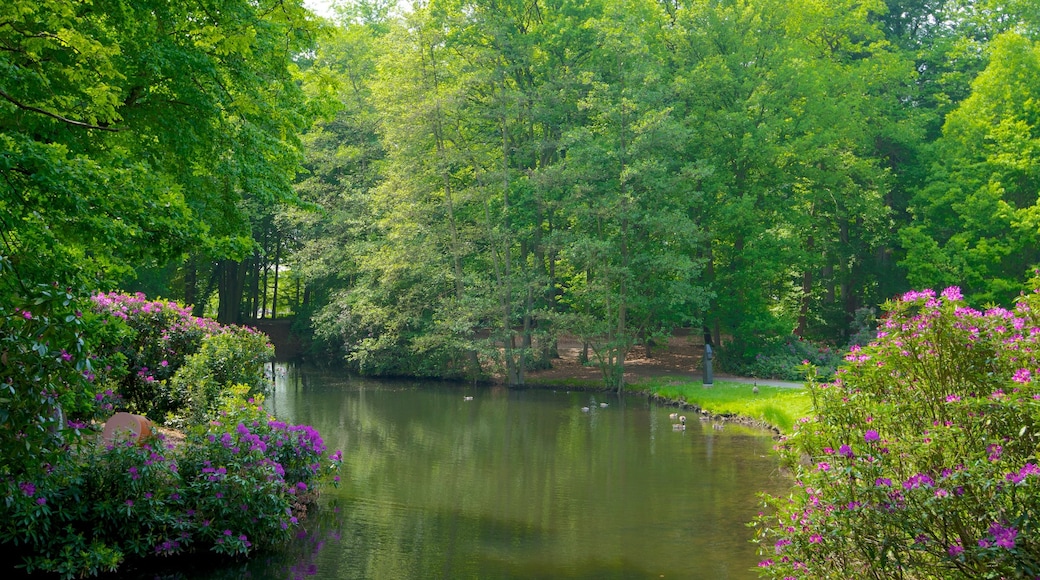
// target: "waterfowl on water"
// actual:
[[467, 398], [673, 415], [584, 409], [681, 425], [602, 404]]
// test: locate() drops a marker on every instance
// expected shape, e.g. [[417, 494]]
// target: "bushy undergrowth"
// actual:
[[921, 458], [784, 358], [77, 506]]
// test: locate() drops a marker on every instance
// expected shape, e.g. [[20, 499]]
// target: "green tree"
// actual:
[[132, 131], [976, 221]]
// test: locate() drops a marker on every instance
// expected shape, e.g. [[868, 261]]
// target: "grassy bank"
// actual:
[[779, 407]]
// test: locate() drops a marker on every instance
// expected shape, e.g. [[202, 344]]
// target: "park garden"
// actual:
[[443, 189]]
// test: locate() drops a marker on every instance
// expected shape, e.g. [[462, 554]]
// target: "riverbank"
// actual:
[[671, 375]]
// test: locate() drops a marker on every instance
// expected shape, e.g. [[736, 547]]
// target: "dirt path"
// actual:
[[682, 356]]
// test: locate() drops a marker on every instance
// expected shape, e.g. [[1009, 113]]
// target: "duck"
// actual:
[[673, 415], [584, 409], [467, 398], [717, 426], [603, 405], [681, 425]]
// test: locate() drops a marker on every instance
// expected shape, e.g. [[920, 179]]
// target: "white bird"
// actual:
[[673, 415], [584, 409], [681, 425], [467, 398], [602, 404]]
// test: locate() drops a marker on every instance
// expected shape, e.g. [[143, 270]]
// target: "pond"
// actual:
[[518, 484]]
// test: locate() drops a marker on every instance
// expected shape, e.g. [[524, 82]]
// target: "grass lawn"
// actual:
[[780, 407]]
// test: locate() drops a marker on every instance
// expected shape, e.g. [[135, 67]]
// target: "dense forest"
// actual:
[[442, 188]]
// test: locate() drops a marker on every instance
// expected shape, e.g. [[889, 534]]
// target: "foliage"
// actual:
[[976, 218], [921, 455], [784, 357], [47, 379], [236, 484], [174, 363], [235, 356], [101, 173]]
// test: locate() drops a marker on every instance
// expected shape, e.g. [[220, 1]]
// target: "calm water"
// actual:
[[518, 484]]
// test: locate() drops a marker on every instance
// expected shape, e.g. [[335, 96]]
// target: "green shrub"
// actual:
[[234, 357], [921, 459], [47, 379], [783, 358]]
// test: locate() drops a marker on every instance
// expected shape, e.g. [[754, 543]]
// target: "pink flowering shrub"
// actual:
[[165, 340], [921, 459]]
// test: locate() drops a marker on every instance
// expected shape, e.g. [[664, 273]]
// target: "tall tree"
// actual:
[[132, 130], [977, 220]]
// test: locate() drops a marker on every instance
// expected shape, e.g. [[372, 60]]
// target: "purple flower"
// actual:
[[952, 293], [871, 435], [845, 451], [883, 482], [823, 466], [994, 451], [1022, 376], [41, 501], [28, 488], [954, 550], [1003, 537]]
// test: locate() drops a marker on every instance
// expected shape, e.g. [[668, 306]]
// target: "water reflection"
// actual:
[[518, 484]]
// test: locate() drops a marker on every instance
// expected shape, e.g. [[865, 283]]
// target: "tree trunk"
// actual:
[[277, 263], [230, 285]]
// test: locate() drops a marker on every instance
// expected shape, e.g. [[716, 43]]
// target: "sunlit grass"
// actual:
[[780, 407]]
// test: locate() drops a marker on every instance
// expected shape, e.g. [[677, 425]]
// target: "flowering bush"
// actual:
[[234, 485], [75, 506], [921, 460], [165, 340]]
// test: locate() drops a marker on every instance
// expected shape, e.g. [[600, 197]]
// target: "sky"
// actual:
[[319, 7]]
